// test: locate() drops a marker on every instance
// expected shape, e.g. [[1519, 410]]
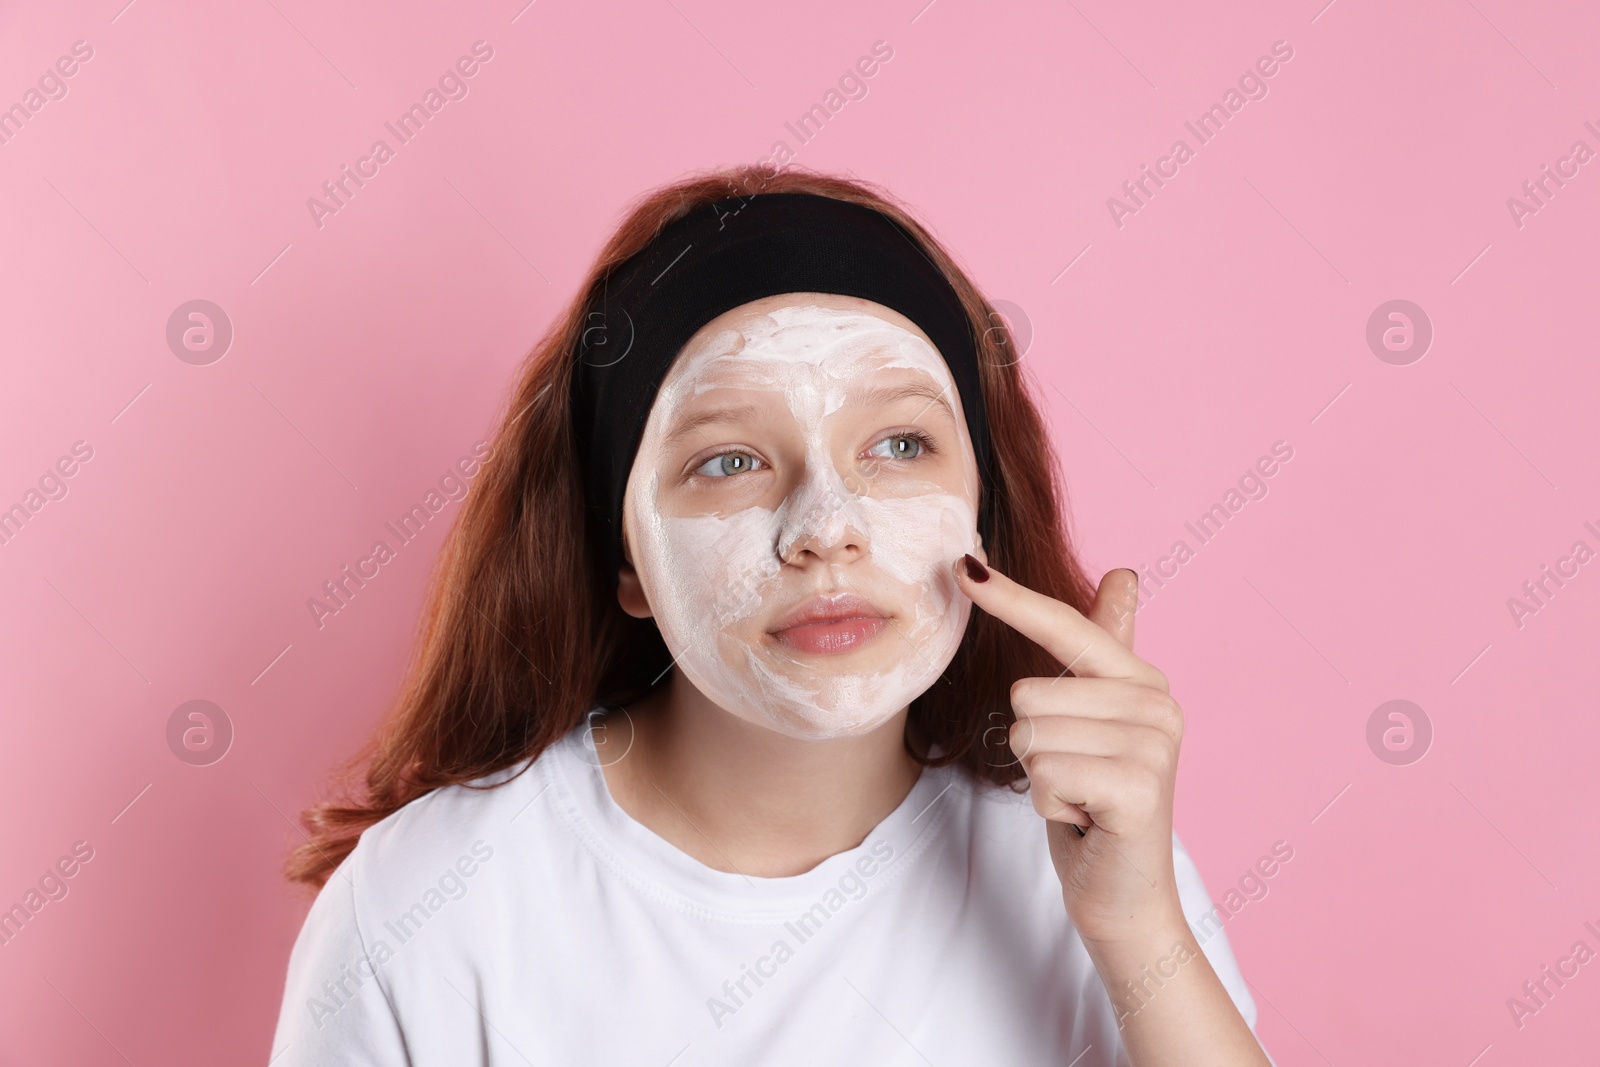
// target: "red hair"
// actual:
[[520, 635]]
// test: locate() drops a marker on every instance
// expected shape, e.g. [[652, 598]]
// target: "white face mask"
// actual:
[[803, 513]]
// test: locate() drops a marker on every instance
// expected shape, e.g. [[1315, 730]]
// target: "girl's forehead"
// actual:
[[754, 347]]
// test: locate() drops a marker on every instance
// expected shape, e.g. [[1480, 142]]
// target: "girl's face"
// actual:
[[804, 483]]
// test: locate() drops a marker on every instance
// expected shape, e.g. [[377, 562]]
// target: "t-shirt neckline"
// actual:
[[662, 870]]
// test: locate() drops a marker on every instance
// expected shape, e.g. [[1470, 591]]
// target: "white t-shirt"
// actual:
[[539, 923]]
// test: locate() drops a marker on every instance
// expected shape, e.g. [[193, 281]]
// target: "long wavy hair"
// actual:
[[520, 635]]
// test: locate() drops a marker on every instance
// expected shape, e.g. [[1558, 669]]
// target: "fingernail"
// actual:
[[975, 570]]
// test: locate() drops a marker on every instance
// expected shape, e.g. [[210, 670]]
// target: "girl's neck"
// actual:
[[742, 798]]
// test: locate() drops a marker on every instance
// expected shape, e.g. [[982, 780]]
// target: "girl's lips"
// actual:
[[832, 636], [829, 625]]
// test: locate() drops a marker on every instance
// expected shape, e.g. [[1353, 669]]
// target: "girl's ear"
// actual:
[[630, 593]]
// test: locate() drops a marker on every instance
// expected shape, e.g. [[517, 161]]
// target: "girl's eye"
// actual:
[[900, 446], [727, 463]]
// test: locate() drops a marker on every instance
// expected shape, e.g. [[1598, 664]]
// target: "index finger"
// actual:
[[1116, 602], [1060, 629]]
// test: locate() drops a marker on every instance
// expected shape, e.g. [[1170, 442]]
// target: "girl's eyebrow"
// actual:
[[888, 394], [693, 423]]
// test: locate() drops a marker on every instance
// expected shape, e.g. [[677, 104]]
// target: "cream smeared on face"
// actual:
[[722, 562]]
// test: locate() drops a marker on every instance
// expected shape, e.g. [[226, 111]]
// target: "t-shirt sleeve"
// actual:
[[335, 1010], [1205, 920]]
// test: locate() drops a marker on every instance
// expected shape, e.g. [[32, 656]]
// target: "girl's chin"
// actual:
[[810, 703], [819, 695]]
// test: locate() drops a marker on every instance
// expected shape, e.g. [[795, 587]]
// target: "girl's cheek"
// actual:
[[716, 569], [914, 538]]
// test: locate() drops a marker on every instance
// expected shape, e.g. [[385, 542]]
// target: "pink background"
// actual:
[[1227, 314]]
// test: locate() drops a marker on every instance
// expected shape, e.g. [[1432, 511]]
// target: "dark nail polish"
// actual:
[[975, 570]]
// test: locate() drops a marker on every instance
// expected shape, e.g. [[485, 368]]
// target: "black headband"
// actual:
[[715, 258]]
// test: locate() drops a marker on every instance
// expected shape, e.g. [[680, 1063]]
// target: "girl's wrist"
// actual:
[[1151, 933], [1171, 1006]]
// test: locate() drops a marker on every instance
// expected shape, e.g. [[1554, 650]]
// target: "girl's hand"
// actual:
[[1100, 748]]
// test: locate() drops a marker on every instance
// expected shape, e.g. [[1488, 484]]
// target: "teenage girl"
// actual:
[[761, 711]]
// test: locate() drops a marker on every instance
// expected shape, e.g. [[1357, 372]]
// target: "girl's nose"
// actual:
[[822, 517]]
